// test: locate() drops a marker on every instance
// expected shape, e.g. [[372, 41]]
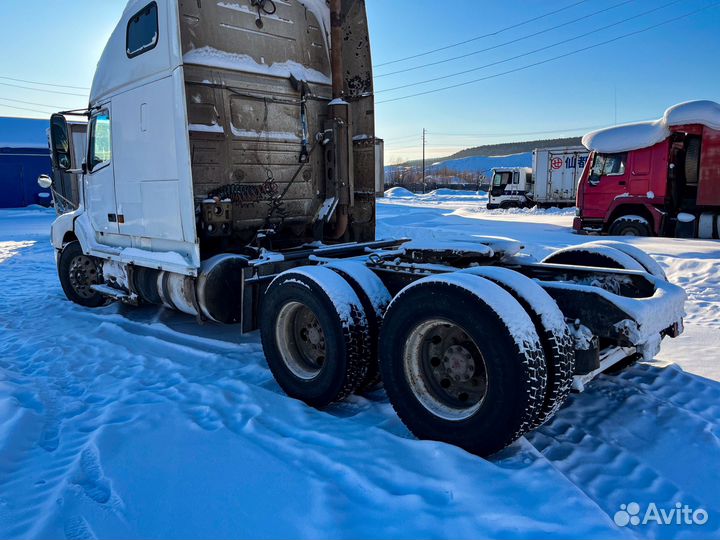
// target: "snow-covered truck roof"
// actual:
[[645, 134]]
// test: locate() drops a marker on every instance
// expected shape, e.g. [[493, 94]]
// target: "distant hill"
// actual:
[[503, 149], [480, 164]]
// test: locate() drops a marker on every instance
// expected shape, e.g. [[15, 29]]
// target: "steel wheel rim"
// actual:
[[445, 370], [301, 340], [84, 273]]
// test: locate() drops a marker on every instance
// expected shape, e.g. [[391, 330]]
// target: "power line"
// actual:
[[42, 90], [45, 84], [546, 47], [516, 134], [495, 33], [24, 109], [56, 107], [396, 139], [541, 62], [581, 128], [545, 31]]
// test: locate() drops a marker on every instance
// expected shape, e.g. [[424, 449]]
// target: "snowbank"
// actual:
[[398, 193], [644, 134]]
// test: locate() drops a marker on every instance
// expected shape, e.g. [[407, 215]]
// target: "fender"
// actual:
[[657, 215], [64, 224]]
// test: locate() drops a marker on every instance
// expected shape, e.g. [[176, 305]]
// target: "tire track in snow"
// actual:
[[614, 440]]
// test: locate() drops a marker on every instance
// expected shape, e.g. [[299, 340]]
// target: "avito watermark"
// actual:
[[680, 514]]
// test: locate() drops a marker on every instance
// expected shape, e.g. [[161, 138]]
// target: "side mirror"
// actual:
[[594, 179], [44, 181], [63, 161]]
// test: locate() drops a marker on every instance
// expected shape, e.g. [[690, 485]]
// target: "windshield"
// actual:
[[502, 178]]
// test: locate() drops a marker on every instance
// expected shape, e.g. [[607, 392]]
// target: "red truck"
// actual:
[[654, 178]]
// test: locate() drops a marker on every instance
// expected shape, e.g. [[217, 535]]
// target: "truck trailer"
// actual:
[[24, 156], [657, 178], [230, 174], [552, 181]]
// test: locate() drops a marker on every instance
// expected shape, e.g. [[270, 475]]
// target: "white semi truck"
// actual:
[[230, 173], [552, 181]]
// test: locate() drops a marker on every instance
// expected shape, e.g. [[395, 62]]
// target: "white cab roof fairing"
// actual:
[[645, 134], [116, 71], [152, 179]]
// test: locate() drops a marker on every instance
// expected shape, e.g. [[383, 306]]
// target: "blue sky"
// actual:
[[60, 42]]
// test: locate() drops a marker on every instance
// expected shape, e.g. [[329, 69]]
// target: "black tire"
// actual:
[[321, 304], [77, 272], [624, 226], [692, 160], [557, 342], [375, 300], [511, 376], [596, 256]]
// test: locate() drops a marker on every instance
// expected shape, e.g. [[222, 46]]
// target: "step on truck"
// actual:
[[658, 178], [229, 174], [551, 182]]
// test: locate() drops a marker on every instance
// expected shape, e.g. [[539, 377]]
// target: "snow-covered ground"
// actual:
[[137, 422]]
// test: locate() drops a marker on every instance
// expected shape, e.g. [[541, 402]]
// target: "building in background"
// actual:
[[24, 155]]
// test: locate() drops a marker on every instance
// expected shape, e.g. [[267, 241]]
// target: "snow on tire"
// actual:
[[594, 255], [557, 342], [462, 362], [375, 300], [650, 265], [315, 335], [630, 226]]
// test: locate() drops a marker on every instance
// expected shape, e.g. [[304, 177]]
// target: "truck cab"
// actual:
[[230, 174], [654, 178], [509, 187]]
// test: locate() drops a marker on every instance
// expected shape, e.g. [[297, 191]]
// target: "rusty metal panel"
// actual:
[[244, 108]]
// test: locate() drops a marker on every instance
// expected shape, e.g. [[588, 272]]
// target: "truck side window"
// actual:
[[143, 31], [100, 147], [609, 165], [502, 179]]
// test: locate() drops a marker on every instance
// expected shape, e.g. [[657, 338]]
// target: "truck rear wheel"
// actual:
[[78, 273], [462, 363], [630, 226], [315, 335], [375, 300], [549, 321]]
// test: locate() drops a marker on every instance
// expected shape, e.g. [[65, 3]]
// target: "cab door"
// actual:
[[607, 181], [100, 201]]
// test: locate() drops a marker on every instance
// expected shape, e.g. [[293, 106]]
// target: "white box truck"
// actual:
[[553, 181], [229, 173]]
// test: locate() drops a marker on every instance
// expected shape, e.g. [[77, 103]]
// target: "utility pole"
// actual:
[[615, 99], [423, 160]]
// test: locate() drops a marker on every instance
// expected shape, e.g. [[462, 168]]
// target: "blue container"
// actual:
[[24, 155]]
